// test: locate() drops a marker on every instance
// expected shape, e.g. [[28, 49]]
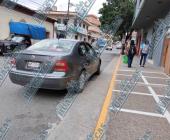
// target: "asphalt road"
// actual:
[[28, 120]]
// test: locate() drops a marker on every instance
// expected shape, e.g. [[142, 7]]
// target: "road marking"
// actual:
[[156, 77], [126, 70], [142, 113], [144, 76], [107, 101], [141, 93], [153, 72], [138, 93], [156, 73], [123, 74], [155, 96], [141, 83], [147, 72]]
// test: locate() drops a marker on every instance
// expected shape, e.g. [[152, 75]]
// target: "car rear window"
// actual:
[[53, 45]]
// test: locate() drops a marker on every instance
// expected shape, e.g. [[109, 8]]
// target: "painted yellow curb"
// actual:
[[98, 132]]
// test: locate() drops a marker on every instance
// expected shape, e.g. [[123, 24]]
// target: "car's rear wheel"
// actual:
[[82, 81], [98, 69]]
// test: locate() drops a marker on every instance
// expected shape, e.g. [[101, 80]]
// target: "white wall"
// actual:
[[6, 15], [149, 34], [71, 21]]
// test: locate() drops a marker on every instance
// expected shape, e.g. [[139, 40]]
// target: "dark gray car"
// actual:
[[71, 60]]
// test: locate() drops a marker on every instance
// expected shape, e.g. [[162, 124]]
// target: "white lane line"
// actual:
[[144, 76], [155, 96], [137, 93], [144, 71], [141, 93], [142, 113], [153, 72], [150, 84], [156, 77], [123, 74], [126, 70]]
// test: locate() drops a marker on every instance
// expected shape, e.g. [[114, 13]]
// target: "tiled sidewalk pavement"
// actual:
[[139, 114]]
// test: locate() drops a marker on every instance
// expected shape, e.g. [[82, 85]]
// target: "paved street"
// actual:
[[51, 44], [137, 116], [27, 121]]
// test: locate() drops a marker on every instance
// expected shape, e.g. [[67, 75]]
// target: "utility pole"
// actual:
[[68, 17]]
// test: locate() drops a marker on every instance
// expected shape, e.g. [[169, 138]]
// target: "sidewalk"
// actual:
[[139, 114]]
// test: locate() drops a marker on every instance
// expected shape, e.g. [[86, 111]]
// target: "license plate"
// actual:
[[33, 65]]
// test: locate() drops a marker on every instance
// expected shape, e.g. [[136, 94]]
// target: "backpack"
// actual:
[[132, 50]]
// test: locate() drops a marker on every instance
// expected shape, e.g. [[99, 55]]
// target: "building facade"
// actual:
[[22, 14], [152, 21], [94, 31], [61, 25]]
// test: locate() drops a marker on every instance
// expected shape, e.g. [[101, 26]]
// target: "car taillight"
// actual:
[[13, 61], [61, 65]]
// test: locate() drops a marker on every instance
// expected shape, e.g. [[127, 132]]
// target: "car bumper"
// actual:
[[56, 80]]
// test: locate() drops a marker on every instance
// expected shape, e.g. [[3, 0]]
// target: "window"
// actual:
[[90, 50], [82, 49], [65, 21], [75, 22], [84, 26], [59, 21], [87, 27], [48, 34], [76, 37]]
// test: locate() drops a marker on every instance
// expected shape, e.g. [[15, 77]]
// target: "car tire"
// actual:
[[82, 81], [98, 69]]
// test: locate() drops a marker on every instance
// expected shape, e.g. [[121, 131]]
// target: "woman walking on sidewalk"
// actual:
[[144, 52], [131, 53]]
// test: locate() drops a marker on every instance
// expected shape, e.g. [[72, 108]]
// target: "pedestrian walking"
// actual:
[[144, 52], [131, 51]]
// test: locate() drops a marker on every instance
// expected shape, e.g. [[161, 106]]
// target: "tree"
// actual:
[[114, 8]]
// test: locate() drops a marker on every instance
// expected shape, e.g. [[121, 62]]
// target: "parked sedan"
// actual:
[[118, 45], [70, 60]]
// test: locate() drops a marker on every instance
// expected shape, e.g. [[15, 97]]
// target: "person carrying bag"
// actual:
[[131, 53]]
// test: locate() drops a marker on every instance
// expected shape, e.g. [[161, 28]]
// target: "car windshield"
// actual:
[[53, 45], [17, 39]]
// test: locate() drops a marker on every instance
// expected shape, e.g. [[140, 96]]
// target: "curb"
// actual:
[[104, 111]]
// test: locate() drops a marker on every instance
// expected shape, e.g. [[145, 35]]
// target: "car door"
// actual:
[[93, 57], [85, 62]]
